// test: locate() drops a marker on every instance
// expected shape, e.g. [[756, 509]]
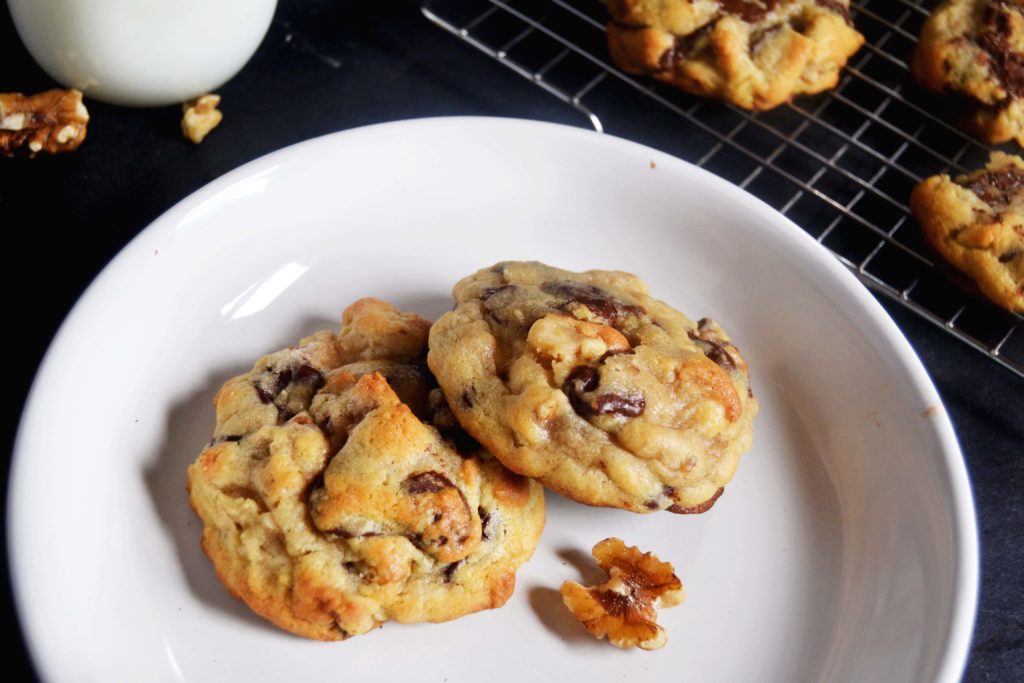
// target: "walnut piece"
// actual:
[[200, 117], [52, 121], [623, 608]]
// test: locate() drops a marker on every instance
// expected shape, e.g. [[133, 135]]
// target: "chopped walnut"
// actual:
[[52, 121], [200, 117], [623, 608]]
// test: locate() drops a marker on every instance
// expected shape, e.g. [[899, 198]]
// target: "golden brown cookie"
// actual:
[[756, 54], [585, 382], [975, 49], [976, 222], [330, 506]]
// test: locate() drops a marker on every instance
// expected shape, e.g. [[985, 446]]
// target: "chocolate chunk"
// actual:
[[1010, 255], [270, 384], [230, 438], [485, 518], [601, 303], [749, 10], [449, 570], [651, 505], [994, 38], [614, 404], [995, 188], [583, 378], [687, 47], [426, 482], [715, 352], [699, 508], [308, 375]]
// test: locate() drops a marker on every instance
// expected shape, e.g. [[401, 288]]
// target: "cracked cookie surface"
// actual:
[[331, 504], [976, 222], [587, 383], [975, 49], [756, 54]]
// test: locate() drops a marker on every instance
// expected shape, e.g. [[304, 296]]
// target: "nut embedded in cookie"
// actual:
[[329, 502], [588, 384], [756, 54], [623, 608], [976, 223]]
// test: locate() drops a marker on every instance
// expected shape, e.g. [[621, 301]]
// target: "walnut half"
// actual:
[[623, 608], [52, 121]]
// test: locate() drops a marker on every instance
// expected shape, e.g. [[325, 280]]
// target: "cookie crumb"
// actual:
[[623, 608]]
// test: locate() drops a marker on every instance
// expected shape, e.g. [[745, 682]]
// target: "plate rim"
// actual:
[[966, 584]]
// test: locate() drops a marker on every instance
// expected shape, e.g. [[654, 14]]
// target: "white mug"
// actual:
[[142, 52]]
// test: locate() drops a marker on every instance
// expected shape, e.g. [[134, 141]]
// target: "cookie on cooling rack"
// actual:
[[587, 383], [976, 222], [756, 54], [975, 49], [330, 507]]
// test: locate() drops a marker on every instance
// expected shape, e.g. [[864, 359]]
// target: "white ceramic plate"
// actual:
[[844, 549]]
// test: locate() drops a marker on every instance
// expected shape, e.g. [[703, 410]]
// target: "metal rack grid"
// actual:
[[841, 165]]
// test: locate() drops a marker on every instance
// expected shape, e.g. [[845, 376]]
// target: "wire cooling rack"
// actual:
[[841, 165]]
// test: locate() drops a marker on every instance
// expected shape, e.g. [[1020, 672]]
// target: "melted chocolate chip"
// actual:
[[686, 47], [995, 188], [749, 10], [270, 384], [614, 404], [601, 303], [699, 508], [449, 570], [715, 352], [426, 482], [651, 505], [230, 438], [583, 378], [994, 38], [485, 519], [1010, 255]]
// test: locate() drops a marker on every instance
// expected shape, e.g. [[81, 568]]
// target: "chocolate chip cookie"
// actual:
[[585, 382], [976, 222], [756, 54], [330, 505], [975, 49]]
